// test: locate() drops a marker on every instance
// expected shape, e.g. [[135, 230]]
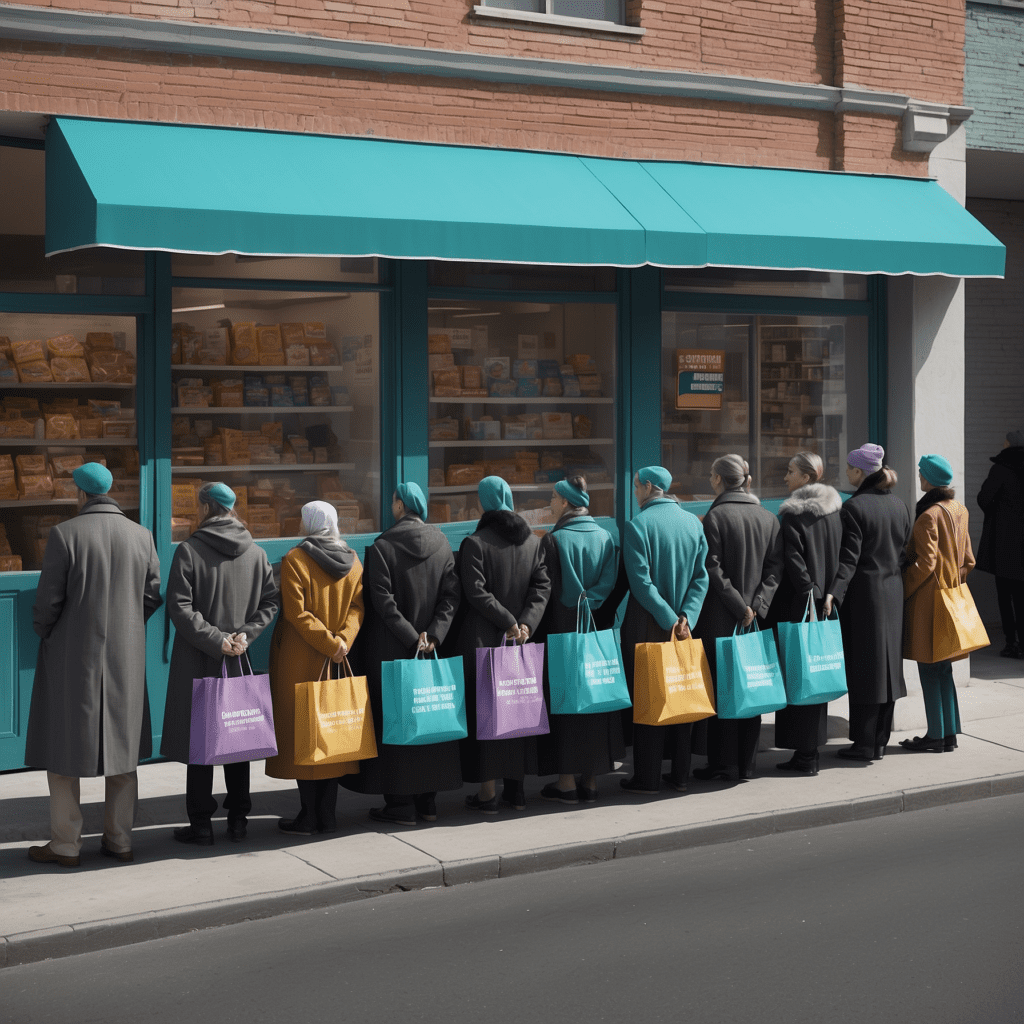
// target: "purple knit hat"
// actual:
[[868, 457]]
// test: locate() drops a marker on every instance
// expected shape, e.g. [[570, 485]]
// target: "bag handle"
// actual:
[[958, 551], [329, 671], [811, 611], [584, 625], [224, 665]]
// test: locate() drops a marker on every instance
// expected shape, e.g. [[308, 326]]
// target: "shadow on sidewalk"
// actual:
[[986, 664]]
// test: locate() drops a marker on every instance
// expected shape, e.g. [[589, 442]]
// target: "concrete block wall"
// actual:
[[994, 371], [995, 77]]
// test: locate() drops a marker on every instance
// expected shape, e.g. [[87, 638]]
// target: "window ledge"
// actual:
[[558, 21]]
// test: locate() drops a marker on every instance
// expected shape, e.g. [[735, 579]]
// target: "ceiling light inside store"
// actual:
[[196, 309]]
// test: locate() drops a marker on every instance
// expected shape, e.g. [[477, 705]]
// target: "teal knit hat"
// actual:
[[936, 470], [657, 475], [495, 494], [581, 499], [93, 478], [217, 493], [411, 496]]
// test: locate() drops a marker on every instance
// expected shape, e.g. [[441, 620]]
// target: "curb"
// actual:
[[70, 940]]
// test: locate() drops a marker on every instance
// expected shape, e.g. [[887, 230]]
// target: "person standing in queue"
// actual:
[[89, 714], [664, 552], [939, 555], [1001, 551], [221, 595], [744, 562], [581, 561], [868, 591], [505, 586], [812, 532], [321, 614], [413, 593]]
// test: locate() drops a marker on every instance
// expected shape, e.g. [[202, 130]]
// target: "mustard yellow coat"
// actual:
[[930, 566], [317, 611]]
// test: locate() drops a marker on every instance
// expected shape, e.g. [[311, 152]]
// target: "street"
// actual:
[[913, 917]]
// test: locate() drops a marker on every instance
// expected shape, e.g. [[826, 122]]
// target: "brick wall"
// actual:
[[995, 77], [994, 385]]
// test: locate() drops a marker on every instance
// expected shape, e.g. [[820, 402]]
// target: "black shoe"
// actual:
[[924, 743], [1012, 651], [474, 803], [124, 856], [856, 753], [195, 836], [950, 743], [587, 796], [426, 808], [711, 773], [801, 764], [879, 753], [634, 787], [561, 796], [673, 783], [297, 826], [393, 815], [237, 830], [515, 798]]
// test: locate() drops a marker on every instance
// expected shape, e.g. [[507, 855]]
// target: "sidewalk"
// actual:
[[49, 912]]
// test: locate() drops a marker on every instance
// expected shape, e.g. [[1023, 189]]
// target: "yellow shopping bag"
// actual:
[[957, 628], [333, 721], [672, 683]]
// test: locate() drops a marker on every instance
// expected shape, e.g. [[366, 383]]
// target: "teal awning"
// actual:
[[214, 190]]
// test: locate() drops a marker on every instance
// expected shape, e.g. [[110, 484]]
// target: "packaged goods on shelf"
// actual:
[[32, 464], [570, 382], [182, 527], [35, 485], [23, 429], [187, 457], [581, 427], [228, 393], [438, 344], [441, 361], [90, 427], [65, 465], [8, 481], [35, 373], [435, 478], [268, 340], [524, 427], [444, 428], [528, 387], [28, 352], [460, 473], [213, 451], [590, 385], [501, 388], [524, 368], [291, 334], [548, 476], [8, 371], [472, 376], [244, 351], [582, 362], [484, 429], [117, 428], [183, 496], [557, 425], [322, 354], [66, 345], [551, 387], [475, 392], [216, 346], [10, 563], [300, 389], [497, 368], [100, 339], [21, 406], [103, 407], [447, 378], [314, 331], [273, 433], [111, 366], [195, 397], [61, 427], [439, 512], [296, 354]]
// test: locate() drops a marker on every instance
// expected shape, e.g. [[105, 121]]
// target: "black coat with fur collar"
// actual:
[[812, 531]]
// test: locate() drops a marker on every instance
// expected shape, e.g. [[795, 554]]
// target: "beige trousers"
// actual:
[[122, 794]]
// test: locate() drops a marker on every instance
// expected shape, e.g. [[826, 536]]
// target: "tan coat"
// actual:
[[317, 611], [938, 555]]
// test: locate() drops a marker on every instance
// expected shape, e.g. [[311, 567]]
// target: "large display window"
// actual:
[[276, 393]]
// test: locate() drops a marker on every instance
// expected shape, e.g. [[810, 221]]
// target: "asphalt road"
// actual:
[[915, 917]]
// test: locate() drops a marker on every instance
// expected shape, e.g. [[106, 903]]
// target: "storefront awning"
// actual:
[[215, 190]]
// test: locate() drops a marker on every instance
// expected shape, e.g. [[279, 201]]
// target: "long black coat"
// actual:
[[1001, 498], [868, 590], [504, 583], [411, 588], [220, 582], [100, 583]]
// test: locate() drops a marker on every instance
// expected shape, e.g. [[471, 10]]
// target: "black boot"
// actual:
[[327, 804], [304, 823]]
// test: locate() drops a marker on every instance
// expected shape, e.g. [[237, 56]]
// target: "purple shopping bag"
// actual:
[[232, 718], [510, 692]]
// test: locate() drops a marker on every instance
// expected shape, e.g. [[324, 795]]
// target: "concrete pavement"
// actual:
[[47, 911]]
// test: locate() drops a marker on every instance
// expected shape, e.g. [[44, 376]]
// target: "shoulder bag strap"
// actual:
[[957, 555]]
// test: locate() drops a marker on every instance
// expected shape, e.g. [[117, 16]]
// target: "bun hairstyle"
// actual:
[[579, 482], [809, 464], [734, 471], [887, 478]]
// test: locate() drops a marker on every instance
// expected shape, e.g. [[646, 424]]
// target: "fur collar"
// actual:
[[818, 499], [510, 527]]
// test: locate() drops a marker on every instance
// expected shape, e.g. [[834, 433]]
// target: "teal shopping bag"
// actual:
[[813, 664], [424, 701], [749, 676], [585, 674]]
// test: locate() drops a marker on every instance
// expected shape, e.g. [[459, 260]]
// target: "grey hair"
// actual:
[[733, 470], [810, 464]]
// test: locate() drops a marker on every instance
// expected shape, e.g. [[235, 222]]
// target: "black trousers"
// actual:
[[871, 724], [407, 800], [200, 803], [652, 744], [1010, 594], [802, 727], [733, 741]]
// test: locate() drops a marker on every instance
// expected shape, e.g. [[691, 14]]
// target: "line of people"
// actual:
[[682, 577]]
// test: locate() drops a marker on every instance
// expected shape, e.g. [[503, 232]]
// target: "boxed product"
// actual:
[[182, 528], [90, 427], [111, 366], [444, 428], [244, 350], [8, 371], [300, 388], [64, 487], [117, 428], [8, 481], [581, 362], [22, 429], [447, 378], [547, 368], [187, 456], [497, 368], [484, 429], [581, 427], [61, 427], [99, 340], [551, 387], [570, 382], [228, 393], [183, 497], [35, 485], [314, 331], [525, 427], [472, 376], [296, 355], [272, 433], [36, 372], [66, 345], [557, 424], [458, 474], [441, 361], [435, 478], [590, 384], [438, 344], [28, 352], [528, 388], [106, 408], [322, 354], [213, 451], [10, 563], [21, 406], [292, 334], [30, 464], [281, 395], [474, 392], [524, 367], [321, 395], [215, 346], [499, 388], [439, 512], [548, 476], [195, 397], [268, 340]]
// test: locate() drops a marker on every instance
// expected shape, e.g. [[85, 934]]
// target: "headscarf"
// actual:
[[318, 517], [93, 478], [495, 495], [217, 493], [323, 544], [573, 495], [411, 496], [656, 475], [936, 470], [1016, 438], [868, 457]]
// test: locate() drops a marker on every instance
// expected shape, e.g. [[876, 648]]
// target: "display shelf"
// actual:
[[273, 467], [521, 401], [72, 386], [69, 442], [191, 369], [256, 410], [548, 442], [50, 502], [515, 488]]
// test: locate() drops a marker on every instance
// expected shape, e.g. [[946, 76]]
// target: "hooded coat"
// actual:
[[411, 587], [321, 603], [1001, 498], [504, 583], [99, 584], [220, 582], [868, 591]]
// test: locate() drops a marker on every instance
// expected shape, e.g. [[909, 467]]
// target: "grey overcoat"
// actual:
[[99, 583], [220, 582]]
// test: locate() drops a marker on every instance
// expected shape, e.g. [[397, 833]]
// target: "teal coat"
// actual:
[[586, 554]]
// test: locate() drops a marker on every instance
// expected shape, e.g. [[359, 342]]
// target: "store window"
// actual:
[[68, 387], [764, 387], [523, 390], [808, 284], [593, 10], [278, 394], [364, 270], [24, 265]]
